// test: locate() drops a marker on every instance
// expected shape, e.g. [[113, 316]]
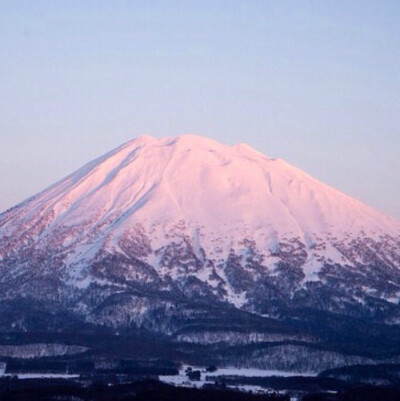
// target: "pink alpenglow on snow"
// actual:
[[221, 198]]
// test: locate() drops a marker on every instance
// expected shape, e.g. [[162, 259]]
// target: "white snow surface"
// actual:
[[215, 194], [182, 380], [41, 376], [252, 372]]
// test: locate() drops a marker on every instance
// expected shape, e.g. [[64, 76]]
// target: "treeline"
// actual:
[[382, 374], [89, 367], [359, 393], [147, 390]]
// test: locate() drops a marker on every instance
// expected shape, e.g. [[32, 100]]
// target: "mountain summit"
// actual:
[[158, 224]]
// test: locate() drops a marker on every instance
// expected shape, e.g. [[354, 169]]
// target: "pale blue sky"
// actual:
[[316, 83]]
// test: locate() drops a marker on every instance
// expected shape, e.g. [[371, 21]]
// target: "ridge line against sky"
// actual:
[[316, 84]]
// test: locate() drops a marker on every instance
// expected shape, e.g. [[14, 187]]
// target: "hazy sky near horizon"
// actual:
[[316, 83]]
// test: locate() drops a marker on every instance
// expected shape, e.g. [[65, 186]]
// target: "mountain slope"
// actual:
[[148, 232]]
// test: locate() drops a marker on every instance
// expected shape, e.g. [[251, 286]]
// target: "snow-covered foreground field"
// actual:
[[256, 373], [182, 380], [40, 376]]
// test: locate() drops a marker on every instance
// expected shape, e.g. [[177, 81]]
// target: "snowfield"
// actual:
[[182, 380]]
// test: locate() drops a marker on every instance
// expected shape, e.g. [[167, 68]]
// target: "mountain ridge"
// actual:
[[144, 141]]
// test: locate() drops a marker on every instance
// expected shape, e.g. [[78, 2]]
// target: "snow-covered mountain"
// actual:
[[140, 235]]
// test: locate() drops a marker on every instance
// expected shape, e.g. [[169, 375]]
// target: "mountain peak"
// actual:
[[187, 139], [184, 237], [188, 209], [205, 183], [192, 142]]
